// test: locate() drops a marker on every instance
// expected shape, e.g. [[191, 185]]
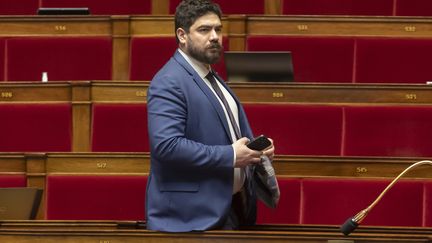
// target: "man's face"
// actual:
[[204, 40]]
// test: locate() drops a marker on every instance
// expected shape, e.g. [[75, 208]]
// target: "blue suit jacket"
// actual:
[[191, 175]]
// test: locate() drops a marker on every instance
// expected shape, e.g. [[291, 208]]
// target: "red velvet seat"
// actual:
[[393, 60], [288, 209], [70, 58], [21, 7], [298, 129], [7, 180], [332, 201], [315, 59], [413, 7], [149, 54], [388, 131], [95, 197], [120, 128], [338, 7], [428, 202], [36, 128], [2, 60], [231, 7], [104, 7]]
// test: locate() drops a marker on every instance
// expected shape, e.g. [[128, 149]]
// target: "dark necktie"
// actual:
[[239, 200], [219, 93]]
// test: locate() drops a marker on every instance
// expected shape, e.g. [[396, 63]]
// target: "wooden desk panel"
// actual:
[[98, 163], [139, 163], [12, 163], [236, 28], [119, 92], [18, 26], [341, 94], [35, 92], [82, 94], [348, 167], [40, 165], [260, 92], [109, 231], [339, 26]]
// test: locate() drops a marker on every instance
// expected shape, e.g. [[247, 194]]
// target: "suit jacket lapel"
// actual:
[[206, 90], [242, 126]]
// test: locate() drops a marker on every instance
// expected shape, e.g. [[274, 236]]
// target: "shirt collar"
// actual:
[[199, 67]]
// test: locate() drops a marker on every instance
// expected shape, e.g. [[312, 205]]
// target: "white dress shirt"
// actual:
[[203, 70]]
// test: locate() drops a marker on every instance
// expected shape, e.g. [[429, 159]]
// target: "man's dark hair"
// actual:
[[188, 11]]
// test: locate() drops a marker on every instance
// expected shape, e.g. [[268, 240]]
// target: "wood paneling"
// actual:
[[332, 93], [138, 163], [39, 165], [108, 231], [236, 28], [55, 26], [83, 94], [273, 7], [339, 26]]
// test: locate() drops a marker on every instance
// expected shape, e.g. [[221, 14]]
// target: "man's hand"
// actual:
[[269, 151], [245, 155]]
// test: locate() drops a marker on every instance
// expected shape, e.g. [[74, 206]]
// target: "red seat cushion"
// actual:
[[315, 59], [231, 7], [388, 131], [393, 60], [298, 129], [21, 7], [428, 203], [2, 60], [119, 128], [149, 54], [338, 7], [332, 201], [413, 8], [106, 7], [36, 127], [95, 197], [63, 58], [288, 209], [13, 180]]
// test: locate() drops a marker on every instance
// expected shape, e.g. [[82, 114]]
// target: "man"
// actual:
[[200, 167]]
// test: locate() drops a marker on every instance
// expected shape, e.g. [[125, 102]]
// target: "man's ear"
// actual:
[[181, 35]]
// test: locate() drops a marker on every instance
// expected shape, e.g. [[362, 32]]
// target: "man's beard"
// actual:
[[210, 55]]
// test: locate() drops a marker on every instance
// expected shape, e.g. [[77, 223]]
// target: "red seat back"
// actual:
[[13, 180], [149, 54], [338, 7], [315, 59], [288, 209], [95, 197], [393, 60], [63, 58], [298, 129], [105, 7], [388, 131], [2, 60], [332, 201], [36, 128], [119, 128], [231, 7], [413, 8], [428, 204], [21, 7]]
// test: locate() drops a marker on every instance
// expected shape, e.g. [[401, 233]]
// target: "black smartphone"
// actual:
[[259, 143]]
